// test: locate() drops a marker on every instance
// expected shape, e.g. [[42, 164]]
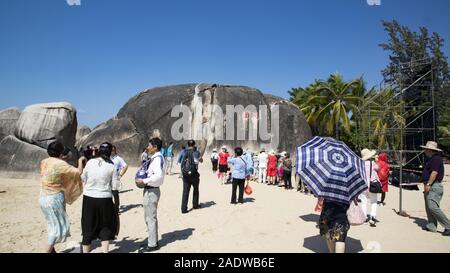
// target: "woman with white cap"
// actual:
[[214, 159], [371, 169], [272, 167]]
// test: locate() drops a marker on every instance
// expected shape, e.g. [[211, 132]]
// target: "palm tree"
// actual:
[[333, 101], [383, 112]]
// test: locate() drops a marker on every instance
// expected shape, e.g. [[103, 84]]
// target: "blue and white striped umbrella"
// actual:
[[331, 170]]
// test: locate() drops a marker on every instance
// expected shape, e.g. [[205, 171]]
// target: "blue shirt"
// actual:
[[196, 155], [169, 151], [240, 170]]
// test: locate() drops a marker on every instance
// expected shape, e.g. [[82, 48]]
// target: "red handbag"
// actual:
[[248, 190]]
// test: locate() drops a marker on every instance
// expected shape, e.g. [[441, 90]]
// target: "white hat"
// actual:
[[431, 145], [367, 154], [272, 152]]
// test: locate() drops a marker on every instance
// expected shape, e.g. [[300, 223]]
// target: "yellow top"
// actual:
[[57, 175]]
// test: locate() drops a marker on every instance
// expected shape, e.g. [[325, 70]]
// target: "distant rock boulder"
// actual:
[[19, 156], [122, 133], [81, 132], [8, 120], [152, 110], [41, 124]]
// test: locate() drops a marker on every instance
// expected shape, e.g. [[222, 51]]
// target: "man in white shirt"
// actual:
[[151, 184], [262, 158], [121, 167]]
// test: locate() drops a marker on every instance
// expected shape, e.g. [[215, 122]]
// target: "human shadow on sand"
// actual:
[[127, 245], [310, 218], [178, 235], [126, 208], [249, 200], [125, 191], [317, 244]]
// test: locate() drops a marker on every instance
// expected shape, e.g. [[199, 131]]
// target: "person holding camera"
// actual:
[[150, 182]]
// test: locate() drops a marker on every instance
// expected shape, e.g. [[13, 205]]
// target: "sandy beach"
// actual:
[[272, 220]]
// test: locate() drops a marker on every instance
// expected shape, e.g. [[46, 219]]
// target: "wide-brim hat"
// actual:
[[431, 145], [367, 154]]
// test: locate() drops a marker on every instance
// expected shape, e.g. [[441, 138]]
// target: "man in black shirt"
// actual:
[[432, 177]]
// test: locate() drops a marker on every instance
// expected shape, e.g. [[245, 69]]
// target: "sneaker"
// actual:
[[148, 249], [368, 219], [446, 232], [426, 229], [375, 220]]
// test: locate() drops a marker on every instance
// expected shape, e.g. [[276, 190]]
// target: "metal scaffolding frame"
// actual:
[[418, 78]]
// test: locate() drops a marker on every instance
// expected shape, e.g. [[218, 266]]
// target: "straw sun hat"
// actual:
[[431, 145], [367, 154]]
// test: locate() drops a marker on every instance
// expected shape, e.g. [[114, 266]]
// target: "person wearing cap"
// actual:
[[272, 167], [262, 168], [432, 177], [371, 169], [383, 174], [214, 160]]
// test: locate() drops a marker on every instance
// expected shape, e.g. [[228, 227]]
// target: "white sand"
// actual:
[[273, 220]]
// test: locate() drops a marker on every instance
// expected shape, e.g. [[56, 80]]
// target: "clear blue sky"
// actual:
[[103, 52]]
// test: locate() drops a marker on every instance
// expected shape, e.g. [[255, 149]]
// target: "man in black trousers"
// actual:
[[191, 177]]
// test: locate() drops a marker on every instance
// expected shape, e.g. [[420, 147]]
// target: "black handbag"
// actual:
[[375, 185]]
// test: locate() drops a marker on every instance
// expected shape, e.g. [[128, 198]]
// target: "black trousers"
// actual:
[[189, 181], [383, 197], [116, 199], [238, 183], [287, 179]]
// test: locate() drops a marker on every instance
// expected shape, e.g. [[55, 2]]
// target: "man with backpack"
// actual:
[[191, 177]]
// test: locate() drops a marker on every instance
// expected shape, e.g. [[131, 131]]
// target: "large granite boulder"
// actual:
[[19, 156], [153, 110], [82, 132], [41, 124], [120, 132], [8, 120]]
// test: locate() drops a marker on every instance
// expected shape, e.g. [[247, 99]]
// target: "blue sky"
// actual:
[[103, 52]]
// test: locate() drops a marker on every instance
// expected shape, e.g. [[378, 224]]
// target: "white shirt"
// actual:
[[119, 163], [155, 176], [98, 177], [215, 155], [263, 157]]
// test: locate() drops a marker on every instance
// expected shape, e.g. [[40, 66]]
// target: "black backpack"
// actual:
[[188, 167]]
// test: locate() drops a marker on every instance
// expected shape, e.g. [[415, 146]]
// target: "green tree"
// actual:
[[406, 46], [328, 104]]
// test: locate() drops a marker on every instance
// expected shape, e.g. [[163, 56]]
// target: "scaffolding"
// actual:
[[400, 117]]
